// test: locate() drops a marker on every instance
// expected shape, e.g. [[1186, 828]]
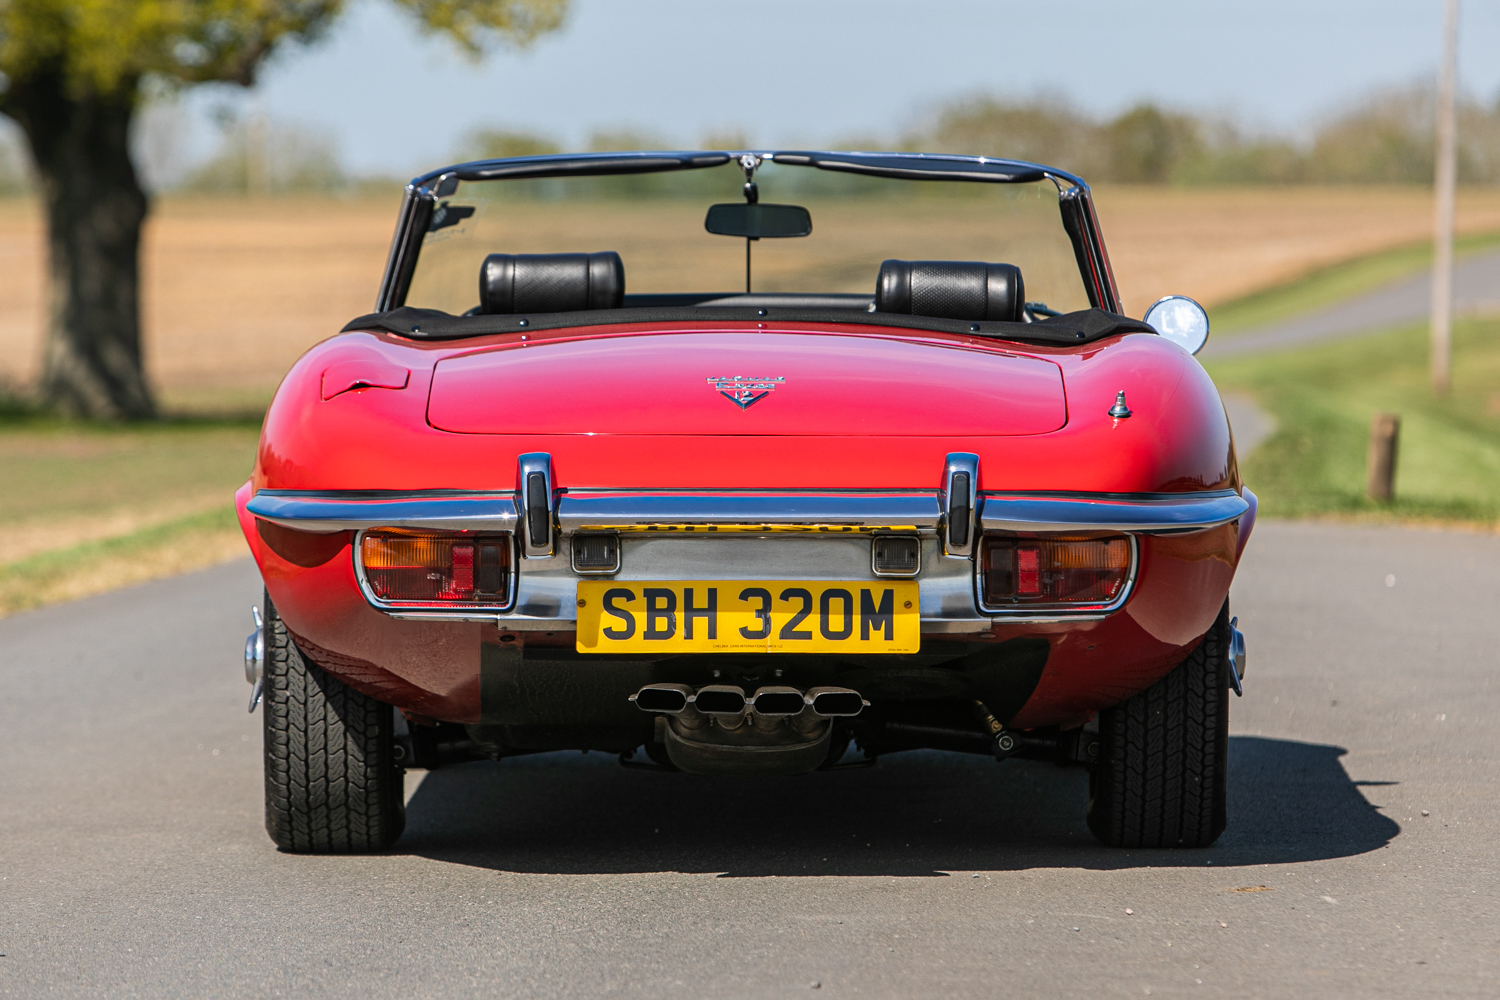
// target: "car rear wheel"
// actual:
[[1161, 776], [332, 783]]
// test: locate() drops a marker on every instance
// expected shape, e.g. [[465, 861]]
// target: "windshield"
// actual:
[[656, 224]]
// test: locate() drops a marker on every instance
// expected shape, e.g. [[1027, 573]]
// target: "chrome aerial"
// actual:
[[255, 658], [1236, 658]]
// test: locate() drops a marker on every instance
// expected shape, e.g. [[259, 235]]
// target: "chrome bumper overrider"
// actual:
[[671, 534]]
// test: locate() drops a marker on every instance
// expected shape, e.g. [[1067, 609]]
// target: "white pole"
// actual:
[[1447, 169]]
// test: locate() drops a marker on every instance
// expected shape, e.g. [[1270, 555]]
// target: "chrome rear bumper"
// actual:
[[816, 535]]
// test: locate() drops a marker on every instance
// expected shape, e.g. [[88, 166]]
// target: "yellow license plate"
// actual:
[[759, 616]]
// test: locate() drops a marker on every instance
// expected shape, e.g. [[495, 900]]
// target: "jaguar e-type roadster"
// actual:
[[867, 459]]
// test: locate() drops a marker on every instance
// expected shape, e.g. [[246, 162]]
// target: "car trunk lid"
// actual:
[[746, 383]]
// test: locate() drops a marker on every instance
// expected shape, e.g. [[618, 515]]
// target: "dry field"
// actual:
[[235, 289]]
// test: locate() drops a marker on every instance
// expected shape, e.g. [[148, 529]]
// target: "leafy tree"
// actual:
[[1043, 130], [73, 72], [495, 144], [1146, 144], [258, 158]]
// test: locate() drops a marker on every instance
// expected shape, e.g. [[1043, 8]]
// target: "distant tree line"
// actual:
[[258, 157], [1386, 139]]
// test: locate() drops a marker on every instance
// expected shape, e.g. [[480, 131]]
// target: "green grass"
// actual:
[[56, 469], [75, 571], [86, 508], [1335, 283], [1323, 399]]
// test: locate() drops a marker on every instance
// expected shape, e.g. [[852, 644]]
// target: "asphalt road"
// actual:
[[1360, 858], [1476, 289]]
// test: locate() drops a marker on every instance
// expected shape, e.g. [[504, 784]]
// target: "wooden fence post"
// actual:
[[1380, 464]]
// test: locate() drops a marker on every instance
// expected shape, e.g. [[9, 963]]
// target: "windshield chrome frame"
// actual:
[[1075, 199]]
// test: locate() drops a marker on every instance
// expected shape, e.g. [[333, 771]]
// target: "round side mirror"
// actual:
[[1181, 320]]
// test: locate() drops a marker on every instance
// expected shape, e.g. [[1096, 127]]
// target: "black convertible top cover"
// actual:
[[1082, 327]]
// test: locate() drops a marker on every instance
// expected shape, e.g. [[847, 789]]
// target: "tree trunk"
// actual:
[[80, 144]]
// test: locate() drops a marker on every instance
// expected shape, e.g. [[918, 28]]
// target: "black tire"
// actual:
[[1161, 776], [332, 783]]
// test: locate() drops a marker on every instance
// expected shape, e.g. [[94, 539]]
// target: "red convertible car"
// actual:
[[920, 484]]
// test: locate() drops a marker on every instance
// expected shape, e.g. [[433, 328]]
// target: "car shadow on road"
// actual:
[[917, 814]]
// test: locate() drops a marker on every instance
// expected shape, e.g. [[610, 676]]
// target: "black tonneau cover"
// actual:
[[1080, 327]]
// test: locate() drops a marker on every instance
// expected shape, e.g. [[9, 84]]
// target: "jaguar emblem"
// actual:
[[745, 390]]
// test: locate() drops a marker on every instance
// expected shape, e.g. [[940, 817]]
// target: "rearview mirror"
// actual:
[[756, 221], [1181, 320]]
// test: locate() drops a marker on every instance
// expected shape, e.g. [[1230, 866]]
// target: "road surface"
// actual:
[[1476, 289], [1360, 859]]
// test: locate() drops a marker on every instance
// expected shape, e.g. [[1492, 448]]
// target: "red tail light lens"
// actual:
[[430, 568], [1054, 570]]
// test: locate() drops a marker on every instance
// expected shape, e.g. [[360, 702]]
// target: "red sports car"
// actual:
[[921, 484]]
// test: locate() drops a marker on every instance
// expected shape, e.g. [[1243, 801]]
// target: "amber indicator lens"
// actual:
[[896, 556], [437, 568], [1054, 571], [596, 553]]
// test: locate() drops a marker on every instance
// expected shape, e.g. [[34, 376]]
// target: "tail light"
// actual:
[[1071, 571], [432, 568]]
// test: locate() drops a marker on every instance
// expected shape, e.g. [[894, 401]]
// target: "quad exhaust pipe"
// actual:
[[772, 701]]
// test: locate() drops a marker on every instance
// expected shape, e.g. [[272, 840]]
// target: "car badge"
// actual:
[[745, 390]]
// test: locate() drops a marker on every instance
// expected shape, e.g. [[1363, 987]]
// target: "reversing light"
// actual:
[[1020, 571], [596, 552], [895, 555], [436, 568]]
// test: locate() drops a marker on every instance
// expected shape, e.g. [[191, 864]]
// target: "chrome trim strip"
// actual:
[[506, 623], [336, 512], [959, 626], [960, 503], [406, 243], [1192, 512], [525, 623], [611, 509], [908, 166]]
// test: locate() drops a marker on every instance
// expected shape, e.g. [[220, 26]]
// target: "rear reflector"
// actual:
[[1054, 570], [430, 568]]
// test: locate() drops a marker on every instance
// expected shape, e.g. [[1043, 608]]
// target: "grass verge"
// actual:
[[1335, 283], [1323, 399], [66, 574], [86, 507]]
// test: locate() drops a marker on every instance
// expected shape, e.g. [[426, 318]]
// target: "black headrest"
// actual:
[[951, 289], [550, 282]]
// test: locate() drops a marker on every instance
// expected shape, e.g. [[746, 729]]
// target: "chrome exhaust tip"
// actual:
[[771, 701], [836, 702], [778, 701], [720, 699], [663, 699]]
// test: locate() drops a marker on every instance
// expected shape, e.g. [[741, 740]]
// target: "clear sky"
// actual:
[[792, 72]]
